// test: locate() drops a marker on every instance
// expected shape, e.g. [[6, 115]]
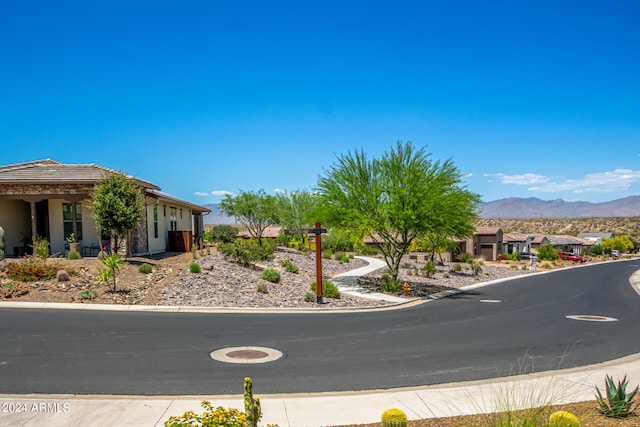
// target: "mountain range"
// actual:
[[515, 207]]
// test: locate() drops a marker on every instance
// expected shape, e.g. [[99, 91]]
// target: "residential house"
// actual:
[[596, 238], [571, 244], [538, 240], [52, 200], [516, 243]]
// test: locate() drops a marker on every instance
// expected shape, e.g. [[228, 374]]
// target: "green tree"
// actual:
[[397, 198], [623, 244], [118, 204], [547, 252], [254, 210], [297, 211]]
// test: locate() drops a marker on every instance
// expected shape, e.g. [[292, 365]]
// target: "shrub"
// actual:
[[394, 418], [546, 252], [262, 288], [73, 255], [145, 268], [62, 276], [329, 290], [515, 256], [194, 268], [32, 269], [368, 251], [457, 268], [309, 296], [546, 265], [221, 233], [465, 257], [618, 403], [388, 284], [246, 252], [344, 259], [429, 269], [271, 275], [563, 419], [290, 267], [327, 254], [41, 247], [88, 294], [211, 417]]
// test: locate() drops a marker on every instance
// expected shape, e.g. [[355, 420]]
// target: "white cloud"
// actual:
[[598, 182], [523, 179], [279, 191], [221, 193], [201, 194]]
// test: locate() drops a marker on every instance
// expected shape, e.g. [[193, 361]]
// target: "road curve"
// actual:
[[517, 326]]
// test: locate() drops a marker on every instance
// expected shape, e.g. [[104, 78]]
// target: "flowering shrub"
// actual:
[[211, 417], [32, 269]]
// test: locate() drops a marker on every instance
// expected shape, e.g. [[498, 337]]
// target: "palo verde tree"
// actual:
[[397, 198], [118, 204], [254, 210], [296, 211]]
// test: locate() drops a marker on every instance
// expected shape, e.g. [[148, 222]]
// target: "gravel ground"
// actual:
[[222, 283]]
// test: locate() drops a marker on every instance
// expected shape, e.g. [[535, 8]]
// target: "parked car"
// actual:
[[527, 255], [568, 256]]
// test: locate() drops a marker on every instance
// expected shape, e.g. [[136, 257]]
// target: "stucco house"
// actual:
[[516, 242], [50, 199]]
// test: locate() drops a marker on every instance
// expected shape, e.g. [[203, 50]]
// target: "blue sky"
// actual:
[[529, 99]]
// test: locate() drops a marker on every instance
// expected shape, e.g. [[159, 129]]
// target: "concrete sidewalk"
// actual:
[[325, 409]]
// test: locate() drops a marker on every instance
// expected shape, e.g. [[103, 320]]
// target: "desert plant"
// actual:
[[394, 418], [547, 252], [388, 283], [32, 269], [252, 408], [618, 403], [113, 264], [291, 267], [211, 417], [262, 288], [73, 255], [145, 268], [194, 268], [327, 254], [62, 276], [329, 290], [88, 294], [429, 269], [221, 233], [563, 419], [2, 245], [41, 247], [344, 259], [309, 296], [246, 252], [271, 275]]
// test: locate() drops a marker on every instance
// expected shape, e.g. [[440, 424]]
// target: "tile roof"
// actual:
[[50, 171], [165, 197]]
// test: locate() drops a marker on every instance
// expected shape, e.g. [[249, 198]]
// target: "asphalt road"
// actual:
[[503, 329]]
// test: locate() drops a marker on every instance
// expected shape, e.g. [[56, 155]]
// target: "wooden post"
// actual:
[[318, 233]]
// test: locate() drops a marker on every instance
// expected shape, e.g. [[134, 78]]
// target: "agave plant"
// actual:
[[619, 403]]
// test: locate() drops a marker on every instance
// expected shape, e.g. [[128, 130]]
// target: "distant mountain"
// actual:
[[532, 207], [216, 217]]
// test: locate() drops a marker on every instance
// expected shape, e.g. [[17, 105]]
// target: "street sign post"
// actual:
[[318, 232]]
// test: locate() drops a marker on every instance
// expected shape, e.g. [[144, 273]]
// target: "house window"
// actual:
[[155, 221], [164, 211], [173, 219], [67, 220], [180, 213]]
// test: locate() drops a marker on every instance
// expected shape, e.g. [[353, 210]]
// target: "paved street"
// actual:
[[508, 328]]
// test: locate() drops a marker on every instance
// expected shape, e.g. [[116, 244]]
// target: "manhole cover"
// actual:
[[591, 318], [246, 355]]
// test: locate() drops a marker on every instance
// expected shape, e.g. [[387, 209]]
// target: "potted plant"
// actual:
[[73, 245]]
